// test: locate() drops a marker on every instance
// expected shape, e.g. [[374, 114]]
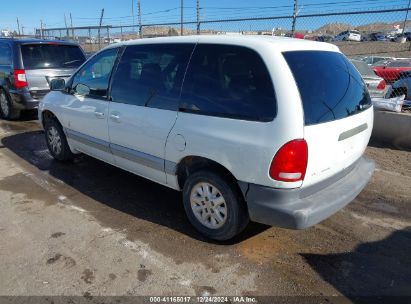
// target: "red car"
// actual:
[[391, 70], [295, 35]]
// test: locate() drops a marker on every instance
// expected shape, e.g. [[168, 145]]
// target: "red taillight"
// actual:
[[381, 85], [290, 162], [20, 80]]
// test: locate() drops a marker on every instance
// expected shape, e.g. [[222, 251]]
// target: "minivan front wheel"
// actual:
[[214, 205], [6, 109], [56, 141]]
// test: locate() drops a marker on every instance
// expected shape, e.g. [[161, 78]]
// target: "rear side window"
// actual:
[[228, 81], [5, 54], [330, 86], [51, 56], [151, 75]]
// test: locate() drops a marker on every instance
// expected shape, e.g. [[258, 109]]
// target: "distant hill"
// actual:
[[335, 28]]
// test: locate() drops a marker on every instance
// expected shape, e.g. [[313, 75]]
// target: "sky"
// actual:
[[119, 12]]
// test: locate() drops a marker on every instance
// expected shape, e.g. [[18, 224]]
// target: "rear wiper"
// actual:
[[69, 62]]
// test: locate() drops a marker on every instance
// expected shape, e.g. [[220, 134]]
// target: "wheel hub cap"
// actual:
[[208, 205], [54, 140]]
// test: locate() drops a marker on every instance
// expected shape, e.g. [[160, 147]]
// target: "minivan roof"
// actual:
[[281, 44]]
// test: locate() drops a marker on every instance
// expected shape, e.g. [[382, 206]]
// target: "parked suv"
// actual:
[[261, 128], [27, 67]]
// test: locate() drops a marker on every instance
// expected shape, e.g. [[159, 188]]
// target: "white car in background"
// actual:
[[257, 128], [351, 35], [375, 84]]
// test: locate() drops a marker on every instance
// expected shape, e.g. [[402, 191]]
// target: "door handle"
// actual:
[[115, 117], [99, 114]]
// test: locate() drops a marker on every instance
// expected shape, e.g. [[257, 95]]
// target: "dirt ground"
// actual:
[[89, 229], [382, 48]]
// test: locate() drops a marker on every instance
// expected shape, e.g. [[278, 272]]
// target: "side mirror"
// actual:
[[82, 89], [58, 84]]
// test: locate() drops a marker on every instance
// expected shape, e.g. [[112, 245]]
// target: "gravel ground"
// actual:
[[89, 229]]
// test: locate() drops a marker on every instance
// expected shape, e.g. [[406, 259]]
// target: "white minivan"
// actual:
[[254, 128]]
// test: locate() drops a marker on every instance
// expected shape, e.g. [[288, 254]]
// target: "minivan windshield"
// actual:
[[51, 56], [330, 86]]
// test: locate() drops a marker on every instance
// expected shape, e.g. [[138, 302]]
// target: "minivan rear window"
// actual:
[[51, 56], [330, 86]]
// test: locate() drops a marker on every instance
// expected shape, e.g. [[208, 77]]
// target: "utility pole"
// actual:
[[99, 29], [182, 19], [132, 14], [65, 23], [406, 17], [71, 25], [18, 25], [41, 29], [198, 17], [294, 16], [140, 31], [405, 21], [22, 30]]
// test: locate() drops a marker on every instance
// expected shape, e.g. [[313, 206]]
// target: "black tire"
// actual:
[[236, 212], [7, 111], [53, 128]]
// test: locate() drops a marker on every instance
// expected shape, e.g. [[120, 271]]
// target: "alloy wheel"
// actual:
[[54, 139]]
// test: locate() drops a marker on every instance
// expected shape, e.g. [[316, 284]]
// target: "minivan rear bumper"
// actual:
[[302, 208]]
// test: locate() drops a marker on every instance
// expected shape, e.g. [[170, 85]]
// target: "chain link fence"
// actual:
[[367, 36]]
